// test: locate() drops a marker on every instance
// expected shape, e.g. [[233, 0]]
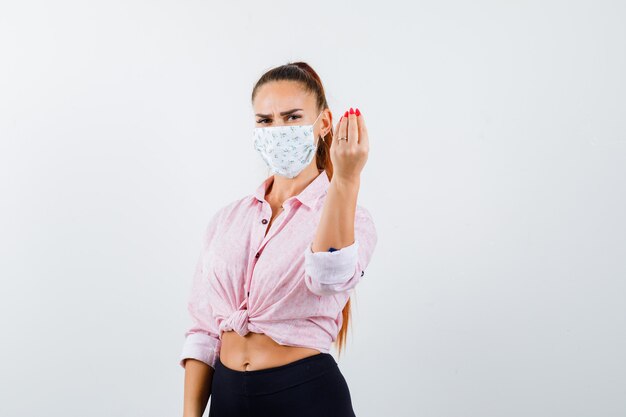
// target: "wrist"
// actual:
[[347, 183]]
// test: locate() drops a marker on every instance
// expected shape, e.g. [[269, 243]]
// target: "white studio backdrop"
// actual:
[[496, 178]]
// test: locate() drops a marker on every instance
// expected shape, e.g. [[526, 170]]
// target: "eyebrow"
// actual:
[[282, 113]]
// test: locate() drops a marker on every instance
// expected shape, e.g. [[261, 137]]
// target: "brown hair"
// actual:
[[311, 82]]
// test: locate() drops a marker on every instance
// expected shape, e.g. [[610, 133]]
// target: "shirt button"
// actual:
[[264, 221], [362, 273], [257, 255]]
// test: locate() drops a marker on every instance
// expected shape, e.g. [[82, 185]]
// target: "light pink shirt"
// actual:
[[275, 284]]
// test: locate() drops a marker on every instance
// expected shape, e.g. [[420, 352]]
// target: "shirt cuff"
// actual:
[[334, 267], [202, 347]]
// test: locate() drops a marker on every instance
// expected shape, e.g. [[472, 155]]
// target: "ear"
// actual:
[[327, 127]]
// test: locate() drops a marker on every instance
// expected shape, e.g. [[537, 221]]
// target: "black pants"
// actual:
[[312, 386]]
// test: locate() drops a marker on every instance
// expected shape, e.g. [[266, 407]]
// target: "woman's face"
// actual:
[[284, 103]]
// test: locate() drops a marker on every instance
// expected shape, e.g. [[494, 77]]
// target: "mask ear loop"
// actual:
[[318, 116]]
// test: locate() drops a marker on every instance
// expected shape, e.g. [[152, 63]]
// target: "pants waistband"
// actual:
[[269, 380]]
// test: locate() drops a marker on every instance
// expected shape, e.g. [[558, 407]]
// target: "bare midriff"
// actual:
[[256, 351]]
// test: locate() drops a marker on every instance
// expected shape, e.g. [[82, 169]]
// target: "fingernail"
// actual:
[[351, 110], [357, 112], [346, 114]]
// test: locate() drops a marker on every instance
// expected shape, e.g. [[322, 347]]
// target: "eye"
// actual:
[[295, 117]]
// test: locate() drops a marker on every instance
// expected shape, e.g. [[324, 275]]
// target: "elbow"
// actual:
[[328, 273], [318, 287]]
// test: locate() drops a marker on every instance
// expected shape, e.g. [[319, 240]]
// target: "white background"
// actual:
[[496, 179]]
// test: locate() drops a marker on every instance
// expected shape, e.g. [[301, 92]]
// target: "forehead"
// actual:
[[275, 96]]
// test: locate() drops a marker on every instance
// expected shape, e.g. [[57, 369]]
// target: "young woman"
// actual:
[[272, 284]]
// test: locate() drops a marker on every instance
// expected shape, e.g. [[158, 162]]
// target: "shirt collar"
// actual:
[[308, 196]]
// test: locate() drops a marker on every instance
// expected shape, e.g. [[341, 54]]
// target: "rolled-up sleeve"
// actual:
[[341, 270], [202, 341]]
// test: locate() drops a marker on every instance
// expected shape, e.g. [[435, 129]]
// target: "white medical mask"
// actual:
[[286, 150]]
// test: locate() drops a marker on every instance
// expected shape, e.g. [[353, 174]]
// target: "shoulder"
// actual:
[[364, 225], [363, 214], [231, 208]]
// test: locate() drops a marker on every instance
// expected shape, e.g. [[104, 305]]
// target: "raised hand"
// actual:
[[349, 156]]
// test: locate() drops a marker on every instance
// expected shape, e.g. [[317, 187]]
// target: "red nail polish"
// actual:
[[351, 110], [357, 112], [346, 114]]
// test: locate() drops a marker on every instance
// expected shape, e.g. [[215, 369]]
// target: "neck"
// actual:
[[281, 188]]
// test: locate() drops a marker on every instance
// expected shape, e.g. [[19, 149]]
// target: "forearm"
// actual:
[[198, 381], [336, 226]]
